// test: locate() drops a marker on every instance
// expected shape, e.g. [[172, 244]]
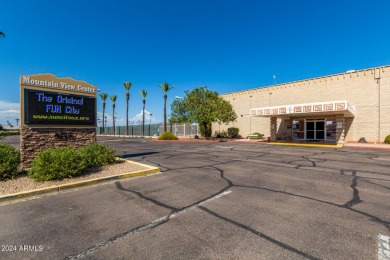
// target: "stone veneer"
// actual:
[[33, 140]]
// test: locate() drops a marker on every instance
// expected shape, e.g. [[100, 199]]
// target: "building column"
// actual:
[[340, 129], [273, 128]]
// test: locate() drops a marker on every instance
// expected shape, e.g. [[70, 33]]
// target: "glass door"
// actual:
[[310, 130], [298, 129], [315, 129], [320, 130]]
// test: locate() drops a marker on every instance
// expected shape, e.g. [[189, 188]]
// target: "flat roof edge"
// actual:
[[303, 80]]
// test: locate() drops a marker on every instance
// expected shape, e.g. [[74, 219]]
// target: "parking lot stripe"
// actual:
[[201, 203]]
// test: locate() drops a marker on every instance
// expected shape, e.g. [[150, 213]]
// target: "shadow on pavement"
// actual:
[[137, 154]]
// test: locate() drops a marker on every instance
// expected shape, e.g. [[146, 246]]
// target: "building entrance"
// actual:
[[323, 129]]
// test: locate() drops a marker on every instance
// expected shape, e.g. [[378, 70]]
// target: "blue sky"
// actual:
[[225, 45]]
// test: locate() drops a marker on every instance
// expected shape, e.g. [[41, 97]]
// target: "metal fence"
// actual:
[[134, 130], [151, 130], [181, 129]]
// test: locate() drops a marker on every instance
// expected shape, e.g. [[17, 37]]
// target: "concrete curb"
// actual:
[[63, 187]]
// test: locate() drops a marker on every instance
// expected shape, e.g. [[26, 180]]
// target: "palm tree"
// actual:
[[2, 34], [165, 88], [113, 99], [143, 94], [127, 86], [104, 97]]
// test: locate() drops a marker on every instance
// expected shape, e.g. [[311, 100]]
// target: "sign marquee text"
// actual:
[[57, 85]]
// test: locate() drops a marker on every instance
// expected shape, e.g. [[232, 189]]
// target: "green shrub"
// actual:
[[167, 136], [97, 155], [221, 134], [57, 163], [387, 139], [6, 133], [233, 132], [258, 136], [9, 161]]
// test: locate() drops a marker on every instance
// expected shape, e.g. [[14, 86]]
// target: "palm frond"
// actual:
[[165, 87], [113, 98], [143, 93], [103, 96], [127, 85]]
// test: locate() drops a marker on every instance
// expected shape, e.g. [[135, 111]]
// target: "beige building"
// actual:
[[337, 108]]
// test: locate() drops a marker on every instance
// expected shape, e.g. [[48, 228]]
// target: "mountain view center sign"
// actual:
[[55, 112]]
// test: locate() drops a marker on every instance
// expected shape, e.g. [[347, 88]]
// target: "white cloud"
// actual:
[[137, 119], [9, 111]]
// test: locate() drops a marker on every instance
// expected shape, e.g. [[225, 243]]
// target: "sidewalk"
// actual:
[[368, 146], [347, 145]]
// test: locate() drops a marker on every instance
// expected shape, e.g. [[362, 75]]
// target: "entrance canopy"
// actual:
[[308, 109]]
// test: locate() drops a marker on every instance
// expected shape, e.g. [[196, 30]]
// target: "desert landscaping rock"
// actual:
[[25, 183]]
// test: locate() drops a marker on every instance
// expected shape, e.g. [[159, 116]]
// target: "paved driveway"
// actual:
[[216, 200]]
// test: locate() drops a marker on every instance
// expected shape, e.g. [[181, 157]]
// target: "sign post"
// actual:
[[55, 112]]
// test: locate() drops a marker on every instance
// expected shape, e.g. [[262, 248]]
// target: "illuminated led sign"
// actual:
[[43, 107]]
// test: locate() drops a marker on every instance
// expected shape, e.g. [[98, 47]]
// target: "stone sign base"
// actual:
[[33, 140]]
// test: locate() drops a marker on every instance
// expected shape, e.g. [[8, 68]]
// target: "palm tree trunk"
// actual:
[[113, 116], [127, 113], [143, 119], [104, 108], [165, 113]]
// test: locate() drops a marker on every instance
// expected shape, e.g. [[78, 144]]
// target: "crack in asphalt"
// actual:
[[373, 183], [258, 233], [211, 154], [140, 195]]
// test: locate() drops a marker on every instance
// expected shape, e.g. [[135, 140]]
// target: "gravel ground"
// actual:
[[24, 183]]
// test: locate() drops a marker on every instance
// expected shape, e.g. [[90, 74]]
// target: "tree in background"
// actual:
[[143, 94], [204, 107], [103, 96], [127, 86], [165, 88], [113, 99]]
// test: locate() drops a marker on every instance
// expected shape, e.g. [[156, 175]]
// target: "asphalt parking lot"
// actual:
[[215, 201]]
